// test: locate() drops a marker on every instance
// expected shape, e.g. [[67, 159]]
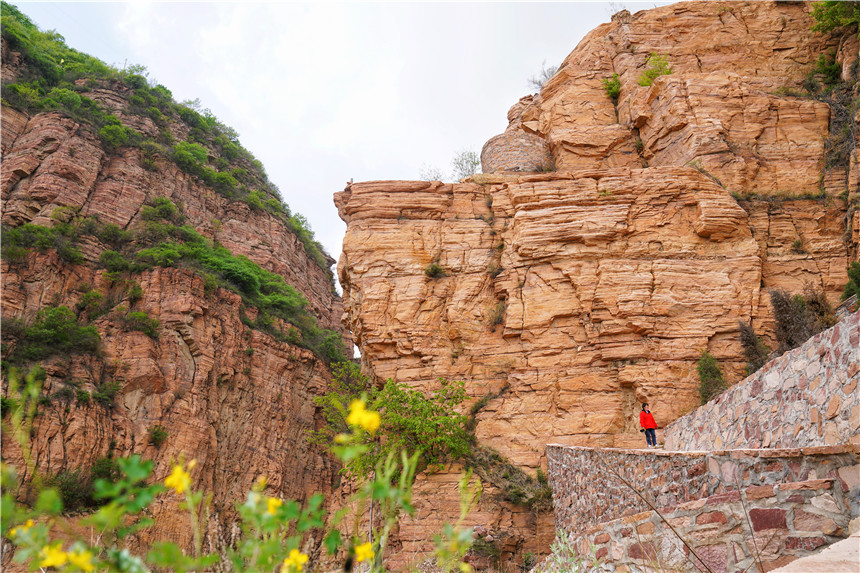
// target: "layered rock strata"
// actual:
[[241, 414], [574, 295], [50, 161], [236, 399], [571, 296]]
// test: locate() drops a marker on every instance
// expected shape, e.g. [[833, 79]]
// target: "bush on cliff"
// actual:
[[755, 351], [55, 331], [61, 238], [171, 244], [428, 426], [799, 317], [655, 66], [834, 14], [711, 381], [852, 287], [612, 87]]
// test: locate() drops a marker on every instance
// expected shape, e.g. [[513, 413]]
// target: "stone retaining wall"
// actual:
[[588, 484], [773, 524], [806, 397], [516, 150]]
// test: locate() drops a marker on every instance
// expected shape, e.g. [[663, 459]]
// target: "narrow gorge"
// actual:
[[682, 165]]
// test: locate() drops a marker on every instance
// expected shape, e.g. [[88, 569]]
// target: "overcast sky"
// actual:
[[325, 93]]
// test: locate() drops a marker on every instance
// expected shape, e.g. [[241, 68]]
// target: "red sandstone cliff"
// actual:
[[238, 400], [576, 294]]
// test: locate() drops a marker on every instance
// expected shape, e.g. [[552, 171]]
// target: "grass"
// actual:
[[516, 485], [779, 197]]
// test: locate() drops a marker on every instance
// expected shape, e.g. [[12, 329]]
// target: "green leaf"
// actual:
[[332, 541], [50, 502]]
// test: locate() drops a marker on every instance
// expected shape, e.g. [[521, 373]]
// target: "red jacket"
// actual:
[[646, 420]]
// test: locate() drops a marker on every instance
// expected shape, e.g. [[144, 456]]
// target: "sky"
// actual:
[[327, 92]]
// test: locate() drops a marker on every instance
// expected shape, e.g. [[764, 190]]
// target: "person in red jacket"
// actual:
[[646, 420]]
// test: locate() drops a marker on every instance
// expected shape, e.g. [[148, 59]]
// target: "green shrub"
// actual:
[[612, 87], [82, 396], [255, 200], [434, 271], [62, 238], [106, 393], [829, 68], [711, 381], [410, 421], [56, 331], [157, 435], [114, 262], [135, 293], [190, 157], [113, 234], [161, 208], [833, 14], [106, 468], [113, 137], [63, 98], [90, 303], [74, 487], [140, 321], [655, 67]]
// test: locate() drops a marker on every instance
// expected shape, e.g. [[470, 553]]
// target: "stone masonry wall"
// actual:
[[806, 397], [588, 484], [516, 150], [775, 524]]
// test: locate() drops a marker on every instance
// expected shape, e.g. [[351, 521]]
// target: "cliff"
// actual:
[[146, 222], [611, 240]]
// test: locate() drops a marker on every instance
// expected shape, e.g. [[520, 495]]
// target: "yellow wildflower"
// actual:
[[52, 556], [21, 528], [295, 562], [361, 417], [82, 559], [364, 552], [179, 480], [465, 568], [272, 505]]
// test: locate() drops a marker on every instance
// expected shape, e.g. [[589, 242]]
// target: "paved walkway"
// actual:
[[843, 556]]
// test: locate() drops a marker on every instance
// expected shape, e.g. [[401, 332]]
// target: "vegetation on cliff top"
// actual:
[[57, 78]]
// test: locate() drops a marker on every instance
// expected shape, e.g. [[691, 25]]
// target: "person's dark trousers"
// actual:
[[651, 437]]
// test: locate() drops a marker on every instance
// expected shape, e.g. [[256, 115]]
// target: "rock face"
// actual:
[[236, 399], [51, 161], [572, 296], [241, 414]]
